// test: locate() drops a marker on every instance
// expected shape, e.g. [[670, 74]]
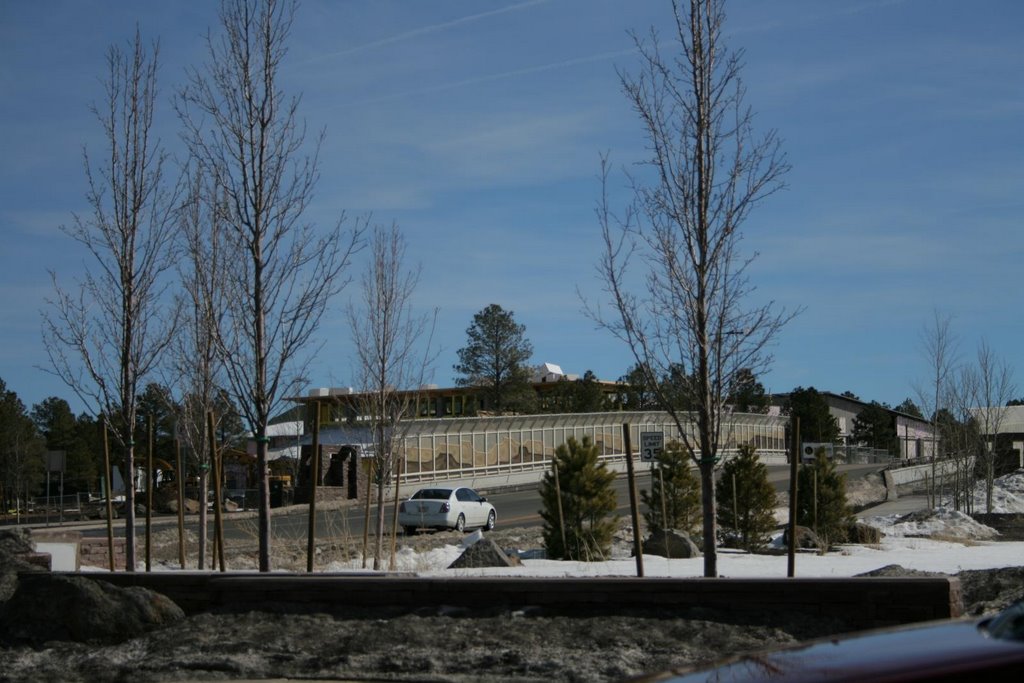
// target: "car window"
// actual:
[[468, 495], [432, 494]]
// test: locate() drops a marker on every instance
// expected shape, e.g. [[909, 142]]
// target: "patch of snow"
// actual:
[[941, 522], [1007, 494]]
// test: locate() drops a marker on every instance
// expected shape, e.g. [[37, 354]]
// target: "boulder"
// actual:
[[73, 608], [17, 555], [673, 544], [484, 553], [859, 532], [805, 538]]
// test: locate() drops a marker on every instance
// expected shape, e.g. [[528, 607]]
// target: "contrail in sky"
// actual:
[[424, 30], [493, 77]]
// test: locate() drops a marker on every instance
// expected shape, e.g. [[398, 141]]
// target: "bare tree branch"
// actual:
[[280, 272], [690, 317], [104, 341], [394, 351]]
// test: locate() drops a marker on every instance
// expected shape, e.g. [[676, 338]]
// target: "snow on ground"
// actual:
[[1007, 494], [942, 540], [938, 523]]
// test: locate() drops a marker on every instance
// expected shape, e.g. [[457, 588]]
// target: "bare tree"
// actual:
[[106, 339], [994, 381], [280, 273], [955, 426], [197, 367], [706, 172], [392, 356], [939, 348]]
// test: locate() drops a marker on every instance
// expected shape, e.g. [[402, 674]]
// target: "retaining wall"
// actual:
[[868, 602]]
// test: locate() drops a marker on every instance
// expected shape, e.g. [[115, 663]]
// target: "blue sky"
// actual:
[[477, 127]]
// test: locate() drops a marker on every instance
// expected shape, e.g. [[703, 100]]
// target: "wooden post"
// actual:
[[150, 477], [366, 512], [633, 509], [218, 518], [558, 496], [794, 456], [314, 481], [735, 506], [181, 503], [664, 513], [394, 516], [108, 472], [815, 517]]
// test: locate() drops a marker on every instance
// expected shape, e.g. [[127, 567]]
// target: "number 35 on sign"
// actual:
[[651, 445]]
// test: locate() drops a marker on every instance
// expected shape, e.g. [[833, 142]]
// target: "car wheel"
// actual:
[[460, 523], [490, 521], [410, 531]]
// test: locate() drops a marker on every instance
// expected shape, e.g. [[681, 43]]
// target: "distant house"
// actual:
[[1007, 423], [916, 437]]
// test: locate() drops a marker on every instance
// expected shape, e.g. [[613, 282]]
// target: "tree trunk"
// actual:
[[129, 509], [707, 490], [379, 533], [263, 484], [203, 518]]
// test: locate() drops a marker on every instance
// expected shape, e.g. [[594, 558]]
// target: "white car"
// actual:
[[443, 508]]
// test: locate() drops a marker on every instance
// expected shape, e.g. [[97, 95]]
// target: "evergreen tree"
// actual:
[[682, 492], [827, 513], [750, 515], [495, 360], [817, 424], [587, 501], [22, 468], [156, 401], [747, 394], [77, 437], [875, 426], [635, 392], [910, 408], [583, 395]]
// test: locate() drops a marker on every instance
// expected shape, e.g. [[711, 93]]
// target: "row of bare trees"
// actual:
[[966, 400], [217, 281]]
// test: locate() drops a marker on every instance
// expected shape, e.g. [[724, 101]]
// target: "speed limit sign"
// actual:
[[651, 445]]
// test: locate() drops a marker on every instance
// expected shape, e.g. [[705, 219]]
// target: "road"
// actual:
[[515, 509]]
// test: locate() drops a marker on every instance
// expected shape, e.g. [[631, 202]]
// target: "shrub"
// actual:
[[682, 493], [828, 512], [750, 516], [588, 504]]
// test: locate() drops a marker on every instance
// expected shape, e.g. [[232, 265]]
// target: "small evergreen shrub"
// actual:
[[588, 504], [749, 517]]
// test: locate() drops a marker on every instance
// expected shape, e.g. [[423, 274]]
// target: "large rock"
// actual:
[[806, 539], [46, 607], [484, 553], [16, 555], [859, 532], [673, 544]]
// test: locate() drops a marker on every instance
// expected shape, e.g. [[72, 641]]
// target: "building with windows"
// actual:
[[495, 450], [915, 435]]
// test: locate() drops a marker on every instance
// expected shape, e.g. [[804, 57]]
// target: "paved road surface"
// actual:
[[515, 509]]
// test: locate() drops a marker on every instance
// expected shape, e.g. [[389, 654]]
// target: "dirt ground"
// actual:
[[513, 646]]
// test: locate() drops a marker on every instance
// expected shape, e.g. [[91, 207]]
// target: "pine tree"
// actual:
[[827, 513], [750, 514], [587, 501], [682, 492]]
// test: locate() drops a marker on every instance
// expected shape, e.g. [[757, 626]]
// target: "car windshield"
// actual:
[[432, 494]]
